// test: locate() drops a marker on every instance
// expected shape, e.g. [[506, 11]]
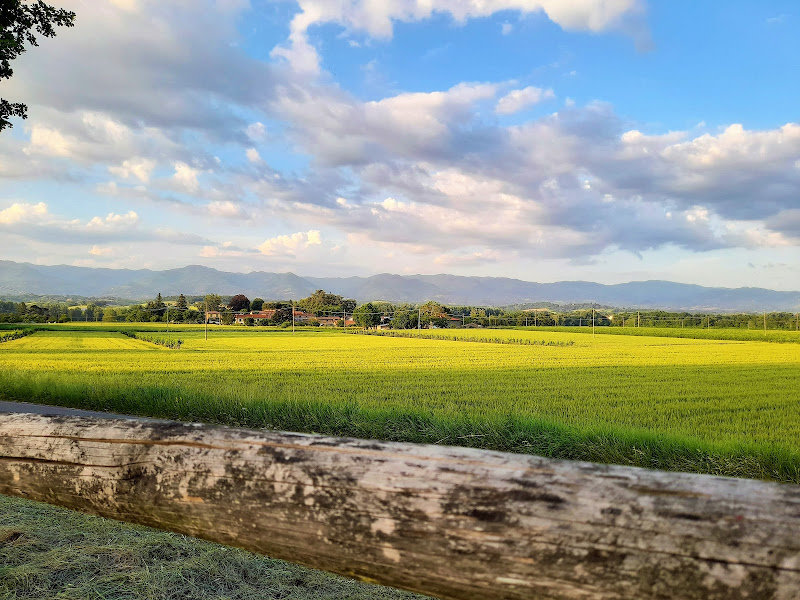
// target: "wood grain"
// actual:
[[448, 522]]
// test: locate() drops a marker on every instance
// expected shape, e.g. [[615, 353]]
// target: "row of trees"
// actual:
[[181, 309]]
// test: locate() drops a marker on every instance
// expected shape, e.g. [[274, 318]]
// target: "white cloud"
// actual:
[[225, 208], [696, 214], [114, 221], [506, 28], [21, 212], [185, 177], [100, 251], [256, 131], [137, 167], [290, 244], [48, 142], [253, 156], [517, 100], [377, 18]]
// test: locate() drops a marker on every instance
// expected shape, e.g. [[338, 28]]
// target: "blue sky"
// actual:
[[605, 140]]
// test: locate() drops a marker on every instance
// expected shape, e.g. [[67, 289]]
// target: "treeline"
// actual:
[[181, 309], [658, 318]]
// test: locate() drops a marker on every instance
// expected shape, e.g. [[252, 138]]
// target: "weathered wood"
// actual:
[[449, 522]]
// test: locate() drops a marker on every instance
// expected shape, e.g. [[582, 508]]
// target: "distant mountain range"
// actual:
[[25, 278]]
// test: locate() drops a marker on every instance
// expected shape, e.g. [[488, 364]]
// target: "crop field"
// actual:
[[712, 405], [698, 333], [705, 405]]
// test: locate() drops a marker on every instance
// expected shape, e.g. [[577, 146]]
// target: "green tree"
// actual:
[[366, 316], [282, 315], [257, 304], [156, 308], [405, 319], [322, 302], [181, 303], [109, 316], [18, 22], [212, 302]]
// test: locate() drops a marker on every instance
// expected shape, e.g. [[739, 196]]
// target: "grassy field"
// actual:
[[717, 406], [706, 405], [697, 333]]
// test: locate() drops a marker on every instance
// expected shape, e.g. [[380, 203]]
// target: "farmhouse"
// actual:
[[213, 316], [261, 315]]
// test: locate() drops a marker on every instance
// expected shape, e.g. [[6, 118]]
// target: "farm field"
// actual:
[[699, 333], [707, 405], [716, 406]]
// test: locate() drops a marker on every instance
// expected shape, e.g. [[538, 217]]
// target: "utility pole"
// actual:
[[593, 322], [765, 322], [206, 320], [419, 320], [292, 316], [638, 319]]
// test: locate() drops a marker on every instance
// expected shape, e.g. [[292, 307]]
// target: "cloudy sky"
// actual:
[[605, 140]]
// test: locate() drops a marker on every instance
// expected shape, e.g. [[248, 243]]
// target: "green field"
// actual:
[[710, 405], [714, 405], [698, 333]]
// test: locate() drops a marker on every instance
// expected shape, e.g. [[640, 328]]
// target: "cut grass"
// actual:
[[48, 552]]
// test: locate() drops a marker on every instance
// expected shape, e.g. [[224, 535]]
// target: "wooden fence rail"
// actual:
[[449, 522]]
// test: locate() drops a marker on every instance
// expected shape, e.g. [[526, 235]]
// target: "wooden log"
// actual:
[[448, 522]]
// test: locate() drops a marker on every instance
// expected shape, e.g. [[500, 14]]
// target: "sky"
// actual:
[[545, 140]]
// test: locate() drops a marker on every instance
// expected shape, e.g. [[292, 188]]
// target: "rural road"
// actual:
[[43, 409]]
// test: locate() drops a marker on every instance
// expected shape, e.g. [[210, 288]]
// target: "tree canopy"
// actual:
[[19, 22], [212, 301], [239, 302], [366, 316], [321, 302]]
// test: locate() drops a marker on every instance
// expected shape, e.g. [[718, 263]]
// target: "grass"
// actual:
[[712, 406], [48, 552]]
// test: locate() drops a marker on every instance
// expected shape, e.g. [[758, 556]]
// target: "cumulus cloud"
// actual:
[[517, 100], [337, 129], [253, 156], [227, 209], [138, 167], [185, 177], [21, 212], [377, 18], [290, 244], [47, 142], [431, 173], [114, 221]]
